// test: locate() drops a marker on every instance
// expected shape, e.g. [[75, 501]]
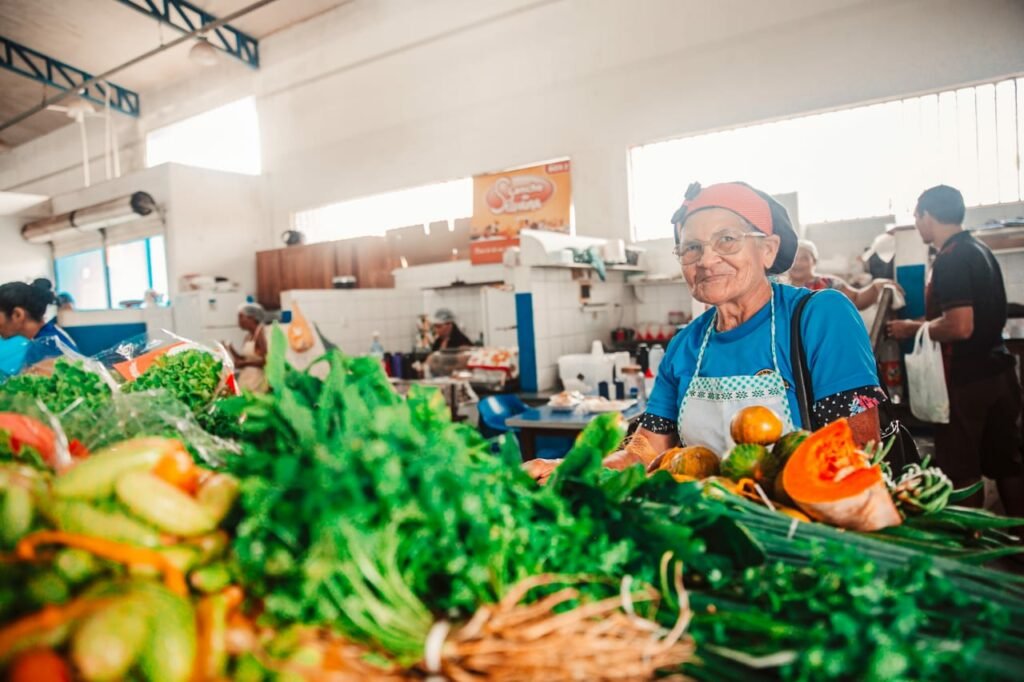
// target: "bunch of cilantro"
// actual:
[[376, 515]]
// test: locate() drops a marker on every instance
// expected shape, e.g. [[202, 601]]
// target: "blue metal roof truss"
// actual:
[[187, 18], [40, 67]]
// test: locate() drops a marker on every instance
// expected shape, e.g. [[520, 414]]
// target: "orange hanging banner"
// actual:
[[535, 198]]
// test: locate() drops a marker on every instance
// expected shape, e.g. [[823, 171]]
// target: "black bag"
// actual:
[[904, 449]]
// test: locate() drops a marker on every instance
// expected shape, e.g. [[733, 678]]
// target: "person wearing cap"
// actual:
[[802, 274], [730, 239], [966, 310], [446, 332], [250, 361]]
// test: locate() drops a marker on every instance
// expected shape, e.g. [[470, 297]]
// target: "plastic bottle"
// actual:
[[654, 359], [376, 348]]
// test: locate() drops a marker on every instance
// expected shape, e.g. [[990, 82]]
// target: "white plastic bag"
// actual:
[[926, 380]]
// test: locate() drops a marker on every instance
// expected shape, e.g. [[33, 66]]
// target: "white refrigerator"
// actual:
[[208, 317]]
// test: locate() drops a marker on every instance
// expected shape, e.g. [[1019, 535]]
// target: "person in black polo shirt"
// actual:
[[966, 309]]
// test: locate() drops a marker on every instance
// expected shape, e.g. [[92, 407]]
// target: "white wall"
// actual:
[[1012, 265], [386, 94], [215, 224], [349, 317], [19, 260]]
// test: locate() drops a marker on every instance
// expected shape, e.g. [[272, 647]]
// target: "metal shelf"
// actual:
[[644, 282], [464, 285], [588, 266]]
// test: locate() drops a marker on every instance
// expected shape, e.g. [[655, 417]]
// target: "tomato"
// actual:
[[25, 431], [77, 449], [39, 665], [178, 469]]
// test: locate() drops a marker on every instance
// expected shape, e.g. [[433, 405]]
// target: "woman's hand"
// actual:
[[540, 470], [621, 459]]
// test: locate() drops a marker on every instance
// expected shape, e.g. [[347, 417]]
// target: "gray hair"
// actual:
[[808, 246], [253, 310]]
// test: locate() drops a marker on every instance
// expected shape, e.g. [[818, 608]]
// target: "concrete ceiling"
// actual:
[[96, 35]]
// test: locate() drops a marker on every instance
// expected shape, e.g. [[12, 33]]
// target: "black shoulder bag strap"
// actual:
[[801, 373], [904, 450]]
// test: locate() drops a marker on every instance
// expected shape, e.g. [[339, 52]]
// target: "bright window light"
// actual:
[[372, 216], [862, 162], [226, 138]]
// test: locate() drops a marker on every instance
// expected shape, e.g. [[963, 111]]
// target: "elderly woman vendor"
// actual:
[[731, 238]]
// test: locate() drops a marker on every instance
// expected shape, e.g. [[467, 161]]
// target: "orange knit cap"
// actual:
[[759, 209], [735, 197]]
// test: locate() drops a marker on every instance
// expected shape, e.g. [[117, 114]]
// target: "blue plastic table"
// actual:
[[544, 421]]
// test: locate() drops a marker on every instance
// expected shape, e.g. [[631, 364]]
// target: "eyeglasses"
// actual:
[[724, 244]]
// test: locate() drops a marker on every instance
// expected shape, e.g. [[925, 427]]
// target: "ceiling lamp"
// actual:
[[78, 108], [203, 53]]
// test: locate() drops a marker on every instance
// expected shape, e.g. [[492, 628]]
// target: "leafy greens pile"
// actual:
[[71, 384], [375, 515], [194, 378]]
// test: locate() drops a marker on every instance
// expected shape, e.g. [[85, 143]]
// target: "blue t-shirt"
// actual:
[[835, 342], [45, 344], [12, 355]]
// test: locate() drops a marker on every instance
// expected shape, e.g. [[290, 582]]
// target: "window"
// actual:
[[131, 269], [374, 215], [862, 162], [226, 138], [82, 276]]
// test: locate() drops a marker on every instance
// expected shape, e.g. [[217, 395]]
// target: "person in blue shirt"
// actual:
[[22, 313], [12, 355], [730, 239]]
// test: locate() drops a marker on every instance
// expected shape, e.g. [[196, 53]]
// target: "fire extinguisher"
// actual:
[[891, 370]]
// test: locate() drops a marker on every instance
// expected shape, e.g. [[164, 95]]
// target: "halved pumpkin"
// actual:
[[834, 482]]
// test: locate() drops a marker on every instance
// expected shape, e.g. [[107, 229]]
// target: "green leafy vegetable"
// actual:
[[70, 385]]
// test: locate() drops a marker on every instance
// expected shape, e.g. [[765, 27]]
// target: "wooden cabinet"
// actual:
[[315, 266], [268, 279], [373, 263], [307, 267]]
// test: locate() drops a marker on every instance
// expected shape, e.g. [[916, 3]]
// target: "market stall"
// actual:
[[163, 529]]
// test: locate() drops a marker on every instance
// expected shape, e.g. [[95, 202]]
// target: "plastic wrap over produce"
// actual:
[[166, 386], [30, 433], [151, 413]]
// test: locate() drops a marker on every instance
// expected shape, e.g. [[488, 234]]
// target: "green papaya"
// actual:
[[217, 495], [78, 516], [743, 461], [169, 653], [162, 504], [108, 642], [17, 511], [94, 477]]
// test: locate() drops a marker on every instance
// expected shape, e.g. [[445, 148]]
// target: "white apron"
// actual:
[[710, 402]]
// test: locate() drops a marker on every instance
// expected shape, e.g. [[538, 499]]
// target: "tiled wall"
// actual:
[[350, 317], [656, 301], [1012, 265], [465, 302], [562, 326]]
